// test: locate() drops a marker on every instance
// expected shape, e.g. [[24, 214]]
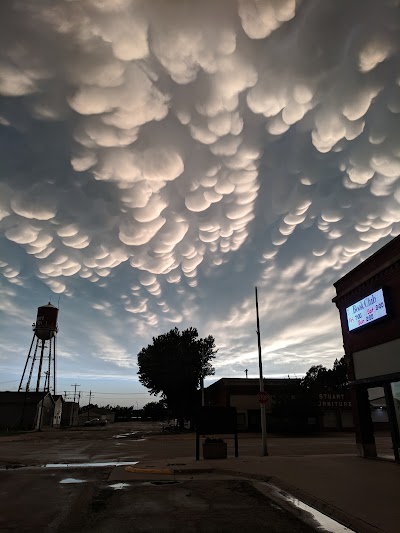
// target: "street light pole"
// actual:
[[264, 450], [202, 377]]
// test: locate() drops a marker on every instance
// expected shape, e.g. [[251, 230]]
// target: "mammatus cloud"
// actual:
[[152, 149]]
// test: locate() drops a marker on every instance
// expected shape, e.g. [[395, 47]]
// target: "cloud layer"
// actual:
[[159, 159]]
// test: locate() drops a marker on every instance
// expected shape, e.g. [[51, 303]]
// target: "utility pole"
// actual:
[[202, 378], [75, 385], [264, 450], [71, 423], [90, 397]]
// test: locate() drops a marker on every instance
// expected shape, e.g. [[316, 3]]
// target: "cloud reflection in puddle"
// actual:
[[69, 480], [89, 465]]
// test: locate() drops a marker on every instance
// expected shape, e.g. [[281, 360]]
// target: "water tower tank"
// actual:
[[46, 321]]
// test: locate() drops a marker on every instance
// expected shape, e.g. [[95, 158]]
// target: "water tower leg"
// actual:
[[32, 365], [26, 364], [54, 364], [40, 366], [48, 373]]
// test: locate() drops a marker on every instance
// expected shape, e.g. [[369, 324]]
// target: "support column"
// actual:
[[394, 427], [364, 428]]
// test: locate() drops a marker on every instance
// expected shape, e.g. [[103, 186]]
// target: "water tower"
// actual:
[[42, 353]]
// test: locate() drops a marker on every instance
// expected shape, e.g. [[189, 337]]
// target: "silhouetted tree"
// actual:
[[339, 379], [155, 410], [173, 365], [86, 408], [316, 377], [319, 377]]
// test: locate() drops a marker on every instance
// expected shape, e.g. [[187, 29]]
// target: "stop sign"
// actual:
[[263, 397]]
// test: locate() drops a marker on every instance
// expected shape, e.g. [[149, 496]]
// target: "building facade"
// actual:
[[368, 300], [69, 414], [25, 410], [289, 408]]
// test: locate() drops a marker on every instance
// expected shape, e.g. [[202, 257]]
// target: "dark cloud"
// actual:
[[160, 159]]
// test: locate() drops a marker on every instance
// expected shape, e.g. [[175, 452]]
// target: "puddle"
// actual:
[[89, 465], [69, 480], [389, 456], [119, 486], [125, 435], [324, 522], [122, 436]]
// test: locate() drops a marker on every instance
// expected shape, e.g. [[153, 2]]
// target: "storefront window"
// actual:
[[380, 420], [396, 401]]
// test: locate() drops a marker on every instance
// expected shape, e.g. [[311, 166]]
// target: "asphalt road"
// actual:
[[35, 498], [38, 501]]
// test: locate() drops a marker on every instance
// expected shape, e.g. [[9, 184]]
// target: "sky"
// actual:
[[161, 158]]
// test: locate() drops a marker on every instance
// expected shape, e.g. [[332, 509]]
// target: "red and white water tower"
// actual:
[[41, 358]]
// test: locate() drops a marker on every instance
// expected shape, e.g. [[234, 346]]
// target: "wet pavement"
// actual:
[[89, 502], [127, 478], [324, 522], [93, 464]]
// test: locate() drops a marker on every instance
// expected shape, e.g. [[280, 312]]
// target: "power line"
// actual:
[[120, 393], [73, 392]]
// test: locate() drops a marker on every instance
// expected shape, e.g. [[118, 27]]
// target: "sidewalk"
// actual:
[[362, 494]]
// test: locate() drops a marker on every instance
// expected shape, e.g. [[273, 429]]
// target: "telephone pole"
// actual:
[[90, 397], [75, 386], [264, 450], [71, 423]]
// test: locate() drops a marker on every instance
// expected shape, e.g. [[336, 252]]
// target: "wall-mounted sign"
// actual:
[[340, 400], [366, 310]]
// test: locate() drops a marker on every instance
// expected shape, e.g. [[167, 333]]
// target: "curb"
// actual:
[[163, 471], [348, 520], [344, 518], [169, 471]]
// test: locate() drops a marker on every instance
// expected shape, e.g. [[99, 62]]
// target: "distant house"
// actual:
[[58, 408], [65, 413], [69, 414], [97, 412], [26, 410]]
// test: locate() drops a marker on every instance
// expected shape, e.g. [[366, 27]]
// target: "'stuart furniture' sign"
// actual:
[[366, 310]]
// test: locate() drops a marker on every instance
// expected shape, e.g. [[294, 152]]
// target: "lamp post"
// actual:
[[264, 450], [202, 377]]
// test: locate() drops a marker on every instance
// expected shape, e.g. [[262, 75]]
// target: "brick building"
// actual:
[[368, 300]]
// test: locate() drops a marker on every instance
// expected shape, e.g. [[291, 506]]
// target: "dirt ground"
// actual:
[[36, 497]]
